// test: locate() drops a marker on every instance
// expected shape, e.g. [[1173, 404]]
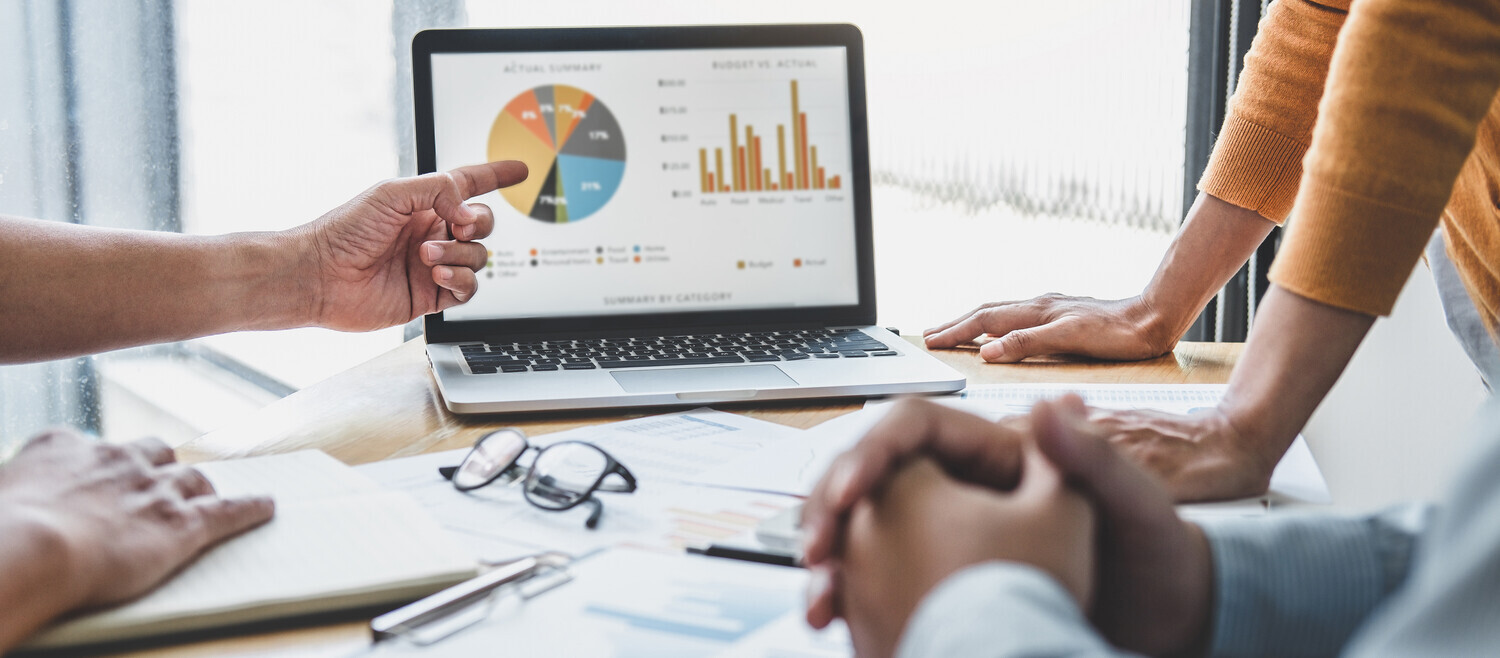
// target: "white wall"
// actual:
[[1390, 429]]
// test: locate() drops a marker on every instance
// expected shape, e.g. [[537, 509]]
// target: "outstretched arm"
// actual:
[[382, 259], [1249, 185]]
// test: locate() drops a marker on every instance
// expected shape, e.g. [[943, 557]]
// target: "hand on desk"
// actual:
[[1117, 330], [88, 524], [885, 544], [385, 257]]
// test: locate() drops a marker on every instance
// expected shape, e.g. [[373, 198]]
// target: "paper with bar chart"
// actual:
[[660, 181]]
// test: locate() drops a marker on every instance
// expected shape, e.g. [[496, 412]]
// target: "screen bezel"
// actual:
[[477, 40]]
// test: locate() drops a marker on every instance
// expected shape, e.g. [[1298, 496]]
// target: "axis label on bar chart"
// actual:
[[571, 143]]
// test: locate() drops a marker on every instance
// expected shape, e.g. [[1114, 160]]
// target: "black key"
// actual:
[[853, 355], [673, 362], [482, 370], [579, 359], [637, 357], [547, 362], [826, 356], [468, 349], [495, 363], [578, 366], [796, 357], [514, 368], [763, 357], [884, 353], [543, 367]]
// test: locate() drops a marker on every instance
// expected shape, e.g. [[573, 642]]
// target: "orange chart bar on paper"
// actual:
[[750, 172]]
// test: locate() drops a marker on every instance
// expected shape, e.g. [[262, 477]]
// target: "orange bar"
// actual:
[[719, 165], [734, 147], [803, 170], [708, 184], [752, 171], [790, 182], [833, 183], [820, 178], [739, 174], [703, 171]]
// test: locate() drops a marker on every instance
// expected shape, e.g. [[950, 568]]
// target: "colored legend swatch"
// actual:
[[571, 143], [749, 172]]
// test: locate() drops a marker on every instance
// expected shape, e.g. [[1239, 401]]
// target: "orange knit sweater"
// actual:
[[1407, 133]]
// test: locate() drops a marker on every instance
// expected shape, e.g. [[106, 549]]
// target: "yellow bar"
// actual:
[[734, 149], [781, 150], [753, 167], [796, 135], [814, 167], [703, 169], [719, 166]]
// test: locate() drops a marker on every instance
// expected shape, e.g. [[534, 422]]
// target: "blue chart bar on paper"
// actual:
[[719, 612]]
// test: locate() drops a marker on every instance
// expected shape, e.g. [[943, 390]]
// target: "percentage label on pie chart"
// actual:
[[572, 145]]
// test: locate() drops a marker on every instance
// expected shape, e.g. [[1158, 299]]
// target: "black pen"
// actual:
[[746, 554]]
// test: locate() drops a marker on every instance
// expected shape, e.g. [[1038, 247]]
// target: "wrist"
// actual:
[[1198, 614], [1160, 325], [42, 578], [274, 276]]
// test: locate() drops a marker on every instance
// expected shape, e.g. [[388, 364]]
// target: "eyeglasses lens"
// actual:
[[564, 474], [488, 459]]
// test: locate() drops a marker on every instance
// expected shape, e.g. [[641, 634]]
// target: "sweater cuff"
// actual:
[[1254, 167], [1350, 251]]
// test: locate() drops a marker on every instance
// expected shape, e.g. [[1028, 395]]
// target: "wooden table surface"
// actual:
[[390, 407]]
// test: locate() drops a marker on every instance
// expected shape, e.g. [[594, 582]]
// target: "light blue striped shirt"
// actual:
[[1410, 581]]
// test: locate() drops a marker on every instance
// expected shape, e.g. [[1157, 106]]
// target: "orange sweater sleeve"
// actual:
[[1409, 82], [1257, 158]]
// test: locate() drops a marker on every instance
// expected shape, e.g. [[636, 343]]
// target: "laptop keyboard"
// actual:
[[697, 349]]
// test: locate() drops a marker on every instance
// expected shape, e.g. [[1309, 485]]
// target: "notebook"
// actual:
[[338, 541], [696, 226]]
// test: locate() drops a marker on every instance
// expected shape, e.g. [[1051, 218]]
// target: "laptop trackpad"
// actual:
[[677, 380]]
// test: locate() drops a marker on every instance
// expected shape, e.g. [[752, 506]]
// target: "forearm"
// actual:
[[1296, 351], [1215, 241], [71, 290], [1302, 584]]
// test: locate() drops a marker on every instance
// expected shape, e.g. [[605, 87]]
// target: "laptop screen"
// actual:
[[661, 181]]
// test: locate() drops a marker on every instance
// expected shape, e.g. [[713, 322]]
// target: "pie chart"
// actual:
[[571, 143]]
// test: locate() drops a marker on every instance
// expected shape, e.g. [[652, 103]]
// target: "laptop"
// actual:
[[695, 227]]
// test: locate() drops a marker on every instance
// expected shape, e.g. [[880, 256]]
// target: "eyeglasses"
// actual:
[[563, 475]]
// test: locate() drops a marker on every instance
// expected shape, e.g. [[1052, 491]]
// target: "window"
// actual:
[[1017, 148]]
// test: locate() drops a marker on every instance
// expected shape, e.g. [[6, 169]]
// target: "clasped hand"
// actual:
[[930, 491]]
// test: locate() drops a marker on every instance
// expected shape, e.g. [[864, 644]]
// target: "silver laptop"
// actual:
[[696, 225]]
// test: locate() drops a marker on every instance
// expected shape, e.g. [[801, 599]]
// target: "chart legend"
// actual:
[[571, 143]]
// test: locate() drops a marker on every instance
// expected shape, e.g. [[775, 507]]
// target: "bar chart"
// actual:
[[796, 167]]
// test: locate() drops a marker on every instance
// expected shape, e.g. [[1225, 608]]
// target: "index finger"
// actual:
[[996, 320], [446, 191], [968, 446]]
